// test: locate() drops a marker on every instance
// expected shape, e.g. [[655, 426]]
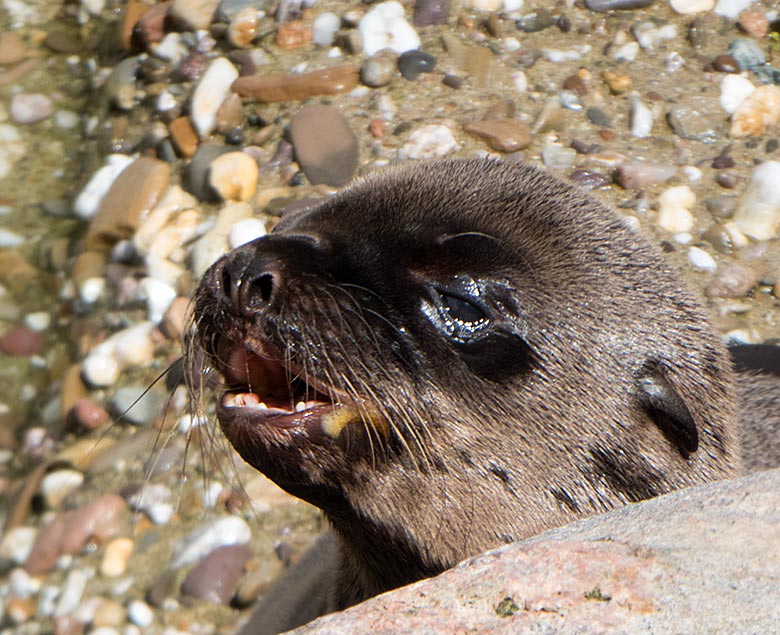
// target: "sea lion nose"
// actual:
[[250, 283]]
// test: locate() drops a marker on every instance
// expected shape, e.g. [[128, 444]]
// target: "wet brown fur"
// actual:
[[471, 462]]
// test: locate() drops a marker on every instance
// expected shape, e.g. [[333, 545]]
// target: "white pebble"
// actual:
[[228, 530], [674, 62], [103, 630], [189, 422], [513, 5], [701, 259], [212, 89], [687, 7], [88, 201], [161, 513], [127, 348], [324, 28], [626, 53], [140, 613], [72, 591], [171, 48], [674, 207], [641, 117], [486, 5], [731, 8], [101, 369], [734, 89], [683, 238], [11, 148], [17, 544], [30, 107], [66, 119], [651, 36], [159, 296], [116, 556], [38, 321], [428, 142], [210, 495], [245, 231], [93, 7], [385, 26], [148, 495], [21, 584], [10, 239], [520, 80], [56, 486], [558, 56], [758, 214], [557, 157], [740, 336], [165, 101], [91, 290], [692, 173]]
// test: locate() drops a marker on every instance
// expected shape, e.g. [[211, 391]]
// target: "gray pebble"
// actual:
[[120, 87], [604, 6], [216, 576], [537, 21], [721, 207], [732, 282], [379, 69], [598, 117], [696, 124], [197, 181], [747, 53], [412, 64], [428, 12], [588, 179], [325, 146], [137, 405]]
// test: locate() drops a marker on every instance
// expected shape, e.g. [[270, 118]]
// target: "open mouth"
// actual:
[[262, 389]]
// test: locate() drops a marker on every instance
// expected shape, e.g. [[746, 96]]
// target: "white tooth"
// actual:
[[300, 406]]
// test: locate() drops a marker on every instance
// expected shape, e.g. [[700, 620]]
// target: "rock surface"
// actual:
[[702, 560]]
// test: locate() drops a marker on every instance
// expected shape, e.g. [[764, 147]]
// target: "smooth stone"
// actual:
[[174, 322], [272, 87], [27, 108], [229, 9], [86, 413], [324, 28], [140, 613], [641, 117], [430, 12], [132, 195], [116, 556], [130, 347], [674, 209], [758, 213], [139, 405], [734, 89], [228, 530], [689, 7], [196, 15], [385, 26], [183, 136], [214, 243], [17, 543], [230, 115], [760, 110], [747, 52], [22, 342], [604, 6], [165, 460], [245, 231], [243, 27], [412, 64], [150, 27], [12, 48], [292, 35], [108, 614], [475, 61], [212, 89], [215, 577], [88, 201], [588, 179], [431, 141], [701, 259], [120, 86], [637, 175], [735, 281], [72, 591], [56, 486], [504, 135], [233, 176], [557, 157], [70, 531], [694, 120], [325, 146], [379, 69], [197, 178], [731, 8]]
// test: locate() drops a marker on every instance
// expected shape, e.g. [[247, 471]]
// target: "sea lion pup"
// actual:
[[452, 355]]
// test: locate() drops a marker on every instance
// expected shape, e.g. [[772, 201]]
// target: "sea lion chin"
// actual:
[[451, 355]]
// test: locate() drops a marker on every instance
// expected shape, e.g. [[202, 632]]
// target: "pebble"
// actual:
[[29, 108], [22, 342], [292, 35], [21, 584], [271, 87], [233, 176], [10, 239], [588, 179], [557, 157], [243, 27], [754, 22], [430, 12], [215, 577], [11, 148], [72, 591], [748, 53], [616, 82], [325, 146], [56, 486], [88, 201], [701, 259], [650, 35], [87, 414], [503, 135], [228, 530], [324, 28], [731, 8], [120, 86], [17, 543], [688, 7], [379, 69], [759, 111], [385, 26], [245, 231], [139, 405], [127, 348], [689, 121], [674, 209], [605, 6], [12, 48], [475, 61], [735, 281], [638, 175], [214, 242], [212, 89], [70, 531], [758, 213], [116, 556], [194, 14], [412, 64], [131, 196], [140, 613], [641, 117]]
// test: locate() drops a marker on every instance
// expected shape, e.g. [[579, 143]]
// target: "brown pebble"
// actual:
[[283, 87], [73, 388], [292, 35], [216, 576], [194, 14], [67, 625], [174, 322], [183, 136], [12, 48], [230, 114], [131, 13], [88, 415], [22, 342], [576, 84], [16, 272], [162, 588], [377, 128], [325, 146], [617, 83], [637, 175], [475, 61], [20, 610], [726, 64], [504, 135], [62, 42], [732, 282], [19, 507], [727, 179], [132, 195], [754, 22], [150, 27]]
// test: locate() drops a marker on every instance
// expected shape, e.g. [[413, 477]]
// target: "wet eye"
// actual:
[[462, 310]]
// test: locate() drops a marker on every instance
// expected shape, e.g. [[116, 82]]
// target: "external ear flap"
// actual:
[[667, 409]]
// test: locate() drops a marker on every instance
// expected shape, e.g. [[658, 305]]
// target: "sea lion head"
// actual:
[[446, 356]]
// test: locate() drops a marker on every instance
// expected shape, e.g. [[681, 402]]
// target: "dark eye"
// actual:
[[462, 310], [458, 309]]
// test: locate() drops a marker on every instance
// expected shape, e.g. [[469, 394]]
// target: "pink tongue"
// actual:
[[263, 376]]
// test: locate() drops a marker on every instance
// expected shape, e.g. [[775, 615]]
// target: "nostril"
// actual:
[[263, 286]]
